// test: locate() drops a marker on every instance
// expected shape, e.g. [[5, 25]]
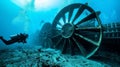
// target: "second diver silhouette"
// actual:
[[16, 38]]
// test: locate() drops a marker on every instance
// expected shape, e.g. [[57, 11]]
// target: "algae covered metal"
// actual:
[[77, 29]]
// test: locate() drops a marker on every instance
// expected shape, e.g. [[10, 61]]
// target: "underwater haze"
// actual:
[[28, 16]]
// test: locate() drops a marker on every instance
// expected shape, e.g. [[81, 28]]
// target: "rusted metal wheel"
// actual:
[[77, 30]]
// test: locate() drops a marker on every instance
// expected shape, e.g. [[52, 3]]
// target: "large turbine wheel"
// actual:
[[77, 30]]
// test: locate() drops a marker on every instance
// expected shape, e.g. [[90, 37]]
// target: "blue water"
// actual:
[[14, 19]]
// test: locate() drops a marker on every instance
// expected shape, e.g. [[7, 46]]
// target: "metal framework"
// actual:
[[77, 29]]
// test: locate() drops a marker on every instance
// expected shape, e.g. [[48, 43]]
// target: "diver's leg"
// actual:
[[5, 41]]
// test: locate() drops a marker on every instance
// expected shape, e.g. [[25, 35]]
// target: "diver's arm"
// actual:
[[7, 42], [14, 39]]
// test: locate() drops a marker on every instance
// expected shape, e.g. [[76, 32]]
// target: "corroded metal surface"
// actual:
[[77, 29]]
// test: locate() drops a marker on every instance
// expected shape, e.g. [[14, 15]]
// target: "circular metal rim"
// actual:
[[76, 5]]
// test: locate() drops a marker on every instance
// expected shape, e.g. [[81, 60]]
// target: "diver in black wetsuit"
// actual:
[[17, 38]]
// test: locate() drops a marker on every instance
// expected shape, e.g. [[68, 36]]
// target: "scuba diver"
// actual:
[[16, 38]]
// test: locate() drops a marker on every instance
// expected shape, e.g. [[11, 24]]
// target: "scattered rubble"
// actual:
[[38, 57]]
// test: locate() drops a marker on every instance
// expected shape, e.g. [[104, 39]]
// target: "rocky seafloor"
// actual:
[[38, 57]]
